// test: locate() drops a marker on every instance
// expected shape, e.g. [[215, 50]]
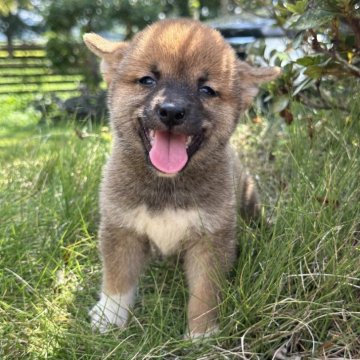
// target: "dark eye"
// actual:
[[147, 81], [207, 90]]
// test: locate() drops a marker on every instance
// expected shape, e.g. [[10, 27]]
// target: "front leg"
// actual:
[[206, 263], [124, 254]]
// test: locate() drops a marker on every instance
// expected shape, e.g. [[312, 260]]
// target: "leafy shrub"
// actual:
[[328, 34]]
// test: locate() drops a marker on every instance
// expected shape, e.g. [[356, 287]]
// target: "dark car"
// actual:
[[244, 29]]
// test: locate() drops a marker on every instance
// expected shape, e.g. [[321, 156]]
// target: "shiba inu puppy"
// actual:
[[172, 181]]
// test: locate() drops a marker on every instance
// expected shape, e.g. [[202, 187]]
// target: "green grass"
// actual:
[[296, 282]]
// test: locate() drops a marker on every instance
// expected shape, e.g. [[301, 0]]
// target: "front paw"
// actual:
[[110, 310], [195, 336]]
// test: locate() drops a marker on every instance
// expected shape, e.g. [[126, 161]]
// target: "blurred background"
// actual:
[[42, 54]]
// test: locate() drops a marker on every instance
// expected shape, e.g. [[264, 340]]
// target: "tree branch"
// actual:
[[350, 67]]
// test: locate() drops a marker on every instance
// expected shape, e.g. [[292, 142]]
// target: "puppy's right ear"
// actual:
[[111, 53]]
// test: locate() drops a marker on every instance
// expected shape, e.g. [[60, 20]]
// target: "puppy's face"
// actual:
[[175, 92]]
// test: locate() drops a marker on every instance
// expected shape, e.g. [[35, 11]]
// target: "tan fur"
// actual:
[[194, 211]]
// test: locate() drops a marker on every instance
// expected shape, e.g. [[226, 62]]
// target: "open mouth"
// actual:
[[170, 152]]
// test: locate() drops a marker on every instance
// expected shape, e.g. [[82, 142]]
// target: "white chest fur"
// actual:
[[166, 228]]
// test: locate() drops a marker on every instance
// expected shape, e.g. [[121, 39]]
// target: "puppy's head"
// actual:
[[175, 92]]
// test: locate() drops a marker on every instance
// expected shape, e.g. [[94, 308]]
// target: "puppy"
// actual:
[[172, 181]]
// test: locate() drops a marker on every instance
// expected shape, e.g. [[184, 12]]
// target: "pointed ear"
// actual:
[[263, 74], [251, 78], [111, 53]]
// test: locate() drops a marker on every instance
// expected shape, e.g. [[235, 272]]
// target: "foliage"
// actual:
[[66, 21], [328, 34], [11, 23], [331, 29]]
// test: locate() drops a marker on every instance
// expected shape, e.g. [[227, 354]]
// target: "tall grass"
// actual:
[[295, 288]]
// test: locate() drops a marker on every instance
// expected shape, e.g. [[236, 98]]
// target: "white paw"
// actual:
[[111, 310], [195, 336]]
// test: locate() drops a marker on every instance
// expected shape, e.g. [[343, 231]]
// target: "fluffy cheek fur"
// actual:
[[125, 109], [220, 121]]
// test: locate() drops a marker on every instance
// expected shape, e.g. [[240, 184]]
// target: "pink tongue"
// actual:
[[168, 153]]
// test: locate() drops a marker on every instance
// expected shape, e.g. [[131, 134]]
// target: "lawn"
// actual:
[[296, 284]]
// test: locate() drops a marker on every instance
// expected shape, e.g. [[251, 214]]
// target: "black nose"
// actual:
[[171, 114]]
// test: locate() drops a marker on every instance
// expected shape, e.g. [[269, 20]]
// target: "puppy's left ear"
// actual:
[[251, 78], [111, 53]]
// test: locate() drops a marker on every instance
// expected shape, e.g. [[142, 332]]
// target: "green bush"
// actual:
[[328, 34]]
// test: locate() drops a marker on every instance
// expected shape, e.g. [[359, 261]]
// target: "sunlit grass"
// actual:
[[296, 282]]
